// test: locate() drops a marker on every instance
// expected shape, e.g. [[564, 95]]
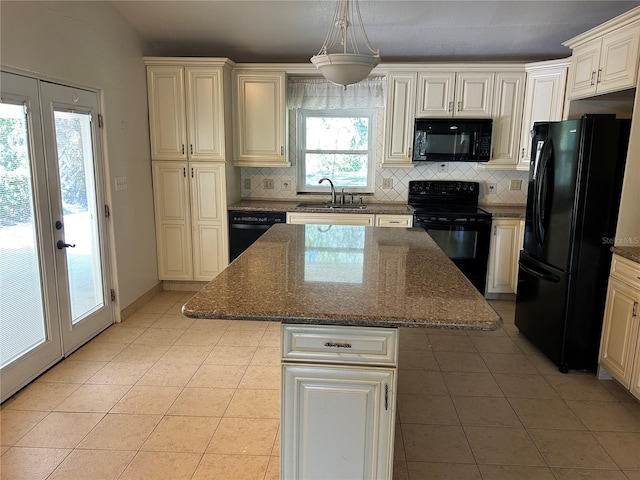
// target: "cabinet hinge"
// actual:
[[107, 211], [113, 295]]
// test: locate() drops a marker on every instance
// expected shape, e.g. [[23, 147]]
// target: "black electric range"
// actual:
[[448, 211]]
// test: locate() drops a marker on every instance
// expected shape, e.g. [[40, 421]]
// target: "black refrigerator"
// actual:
[[574, 189]]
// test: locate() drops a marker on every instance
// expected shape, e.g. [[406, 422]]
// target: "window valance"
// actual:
[[320, 94]]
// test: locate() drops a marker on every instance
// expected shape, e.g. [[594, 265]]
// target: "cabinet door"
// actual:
[[507, 117], [618, 347], [205, 113], [635, 376], [208, 220], [474, 94], [260, 111], [337, 422], [502, 274], [167, 123], [544, 102], [435, 96], [619, 60], [399, 117], [173, 236], [366, 220], [584, 66]]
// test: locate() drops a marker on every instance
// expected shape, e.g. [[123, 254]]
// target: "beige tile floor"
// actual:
[[164, 397]]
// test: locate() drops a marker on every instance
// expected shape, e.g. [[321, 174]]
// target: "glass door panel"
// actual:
[[79, 213], [22, 316], [30, 337]]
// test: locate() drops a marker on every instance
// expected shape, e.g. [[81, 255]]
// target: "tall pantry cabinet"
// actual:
[[193, 179]]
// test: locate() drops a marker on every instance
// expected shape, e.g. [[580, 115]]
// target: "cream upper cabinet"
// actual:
[[186, 112], [506, 242], [259, 111], [620, 343], [190, 208], [399, 119], [605, 59], [455, 94], [507, 117], [543, 101], [167, 121]]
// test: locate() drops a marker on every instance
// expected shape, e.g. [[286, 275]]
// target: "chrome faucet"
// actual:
[[333, 190]]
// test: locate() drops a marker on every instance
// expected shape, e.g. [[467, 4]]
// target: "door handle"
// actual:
[[62, 245]]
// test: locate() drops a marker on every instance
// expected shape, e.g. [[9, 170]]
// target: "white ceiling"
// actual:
[[404, 31]]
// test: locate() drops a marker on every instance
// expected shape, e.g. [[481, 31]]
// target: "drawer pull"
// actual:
[[337, 345]]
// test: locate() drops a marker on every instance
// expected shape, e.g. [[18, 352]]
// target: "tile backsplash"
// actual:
[[392, 184]]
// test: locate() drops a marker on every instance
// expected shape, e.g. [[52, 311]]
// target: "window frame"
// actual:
[[302, 115]]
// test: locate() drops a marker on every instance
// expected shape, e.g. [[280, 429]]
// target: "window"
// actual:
[[337, 144]]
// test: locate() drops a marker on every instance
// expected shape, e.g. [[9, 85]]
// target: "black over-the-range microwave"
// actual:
[[452, 140]]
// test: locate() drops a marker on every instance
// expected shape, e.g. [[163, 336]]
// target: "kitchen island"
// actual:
[[341, 293]]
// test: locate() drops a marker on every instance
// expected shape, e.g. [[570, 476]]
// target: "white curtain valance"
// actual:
[[320, 94]]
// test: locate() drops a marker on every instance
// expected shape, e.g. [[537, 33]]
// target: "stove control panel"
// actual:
[[444, 187]]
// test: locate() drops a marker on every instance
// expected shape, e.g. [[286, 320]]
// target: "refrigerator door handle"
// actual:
[[543, 275], [543, 155]]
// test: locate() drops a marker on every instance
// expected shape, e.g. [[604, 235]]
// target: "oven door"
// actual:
[[465, 242]]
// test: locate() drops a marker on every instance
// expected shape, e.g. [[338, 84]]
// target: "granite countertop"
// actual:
[[497, 211], [291, 206], [631, 253], [345, 275], [505, 211]]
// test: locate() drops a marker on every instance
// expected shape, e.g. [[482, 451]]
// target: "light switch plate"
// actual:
[[492, 188], [121, 183], [285, 185], [387, 183], [268, 184], [246, 184], [515, 184]]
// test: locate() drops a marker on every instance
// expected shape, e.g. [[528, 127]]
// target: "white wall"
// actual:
[[90, 44]]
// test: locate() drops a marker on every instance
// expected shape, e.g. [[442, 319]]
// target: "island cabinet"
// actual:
[[506, 243], [259, 111], [620, 343], [344, 293], [544, 96], [188, 114], [338, 401], [605, 58]]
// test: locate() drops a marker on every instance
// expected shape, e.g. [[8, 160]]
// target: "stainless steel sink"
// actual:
[[330, 206]]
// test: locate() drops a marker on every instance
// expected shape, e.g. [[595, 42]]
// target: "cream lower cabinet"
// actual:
[[338, 402], [397, 221], [620, 344], [191, 225], [506, 242], [303, 218]]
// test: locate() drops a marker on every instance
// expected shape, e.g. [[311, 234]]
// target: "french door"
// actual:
[[54, 269]]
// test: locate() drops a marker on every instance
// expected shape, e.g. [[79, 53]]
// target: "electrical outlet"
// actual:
[[492, 188], [121, 183], [246, 184], [268, 184], [387, 183], [443, 167], [285, 185], [515, 184]]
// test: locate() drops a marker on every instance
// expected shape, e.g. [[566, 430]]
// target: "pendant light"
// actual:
[[345, 68]]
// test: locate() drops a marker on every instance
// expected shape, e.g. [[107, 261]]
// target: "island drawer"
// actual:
[[339, 344]]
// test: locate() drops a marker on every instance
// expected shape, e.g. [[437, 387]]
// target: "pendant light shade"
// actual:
[[345, 68]]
